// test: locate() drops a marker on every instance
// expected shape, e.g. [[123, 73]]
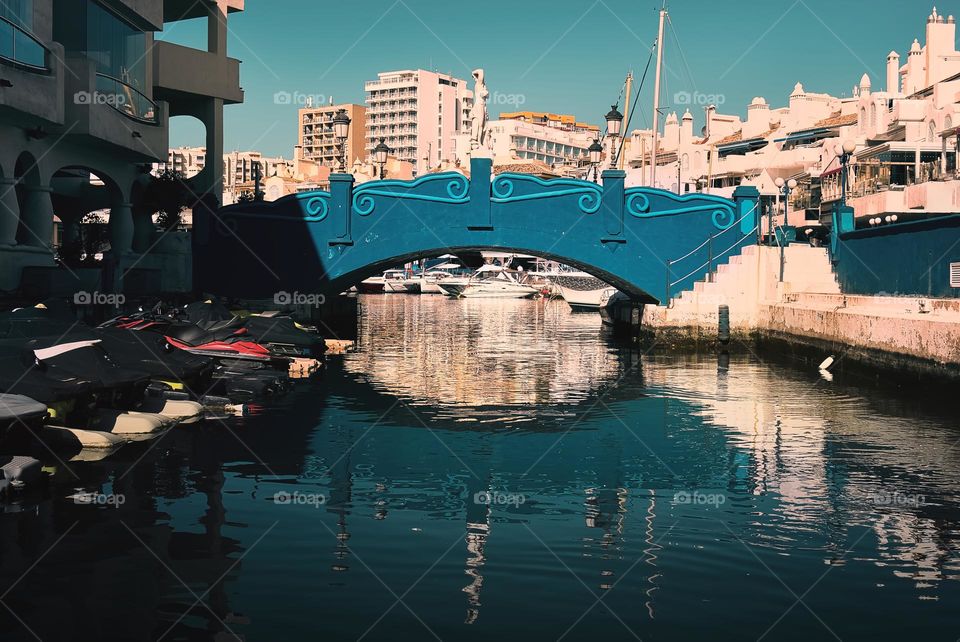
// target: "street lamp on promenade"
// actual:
[[341, 131], [614, 124], [844, 153], [380, 153], [596, 151], [785, 188]]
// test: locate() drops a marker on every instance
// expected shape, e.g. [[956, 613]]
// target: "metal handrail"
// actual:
[[709, 243], [721, 232], [710, 260], [21, 35], [126, 99]]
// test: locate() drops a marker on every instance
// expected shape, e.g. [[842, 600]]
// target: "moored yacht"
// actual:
[[431, 277], [490, 281], [579, 289], [399, 281]]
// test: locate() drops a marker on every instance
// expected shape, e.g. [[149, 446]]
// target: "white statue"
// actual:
[[478, 113]]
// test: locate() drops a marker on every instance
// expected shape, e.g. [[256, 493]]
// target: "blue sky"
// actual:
[[567, 56]]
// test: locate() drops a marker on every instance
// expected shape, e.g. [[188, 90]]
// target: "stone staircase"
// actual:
[[748, 283]]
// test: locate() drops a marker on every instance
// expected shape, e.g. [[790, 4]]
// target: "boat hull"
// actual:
[[580, 292]]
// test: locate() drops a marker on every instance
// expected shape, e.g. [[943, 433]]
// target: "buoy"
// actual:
[[826, 363]]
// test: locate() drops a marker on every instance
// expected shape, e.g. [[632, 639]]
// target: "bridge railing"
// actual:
[[712, 256]]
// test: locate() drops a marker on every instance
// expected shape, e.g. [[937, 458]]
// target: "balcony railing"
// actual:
[[125, 99], [21, 48]]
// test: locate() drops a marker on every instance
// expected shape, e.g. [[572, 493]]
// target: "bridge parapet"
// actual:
[[326, 241]]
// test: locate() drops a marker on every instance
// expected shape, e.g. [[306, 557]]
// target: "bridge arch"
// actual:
[[647, 242]]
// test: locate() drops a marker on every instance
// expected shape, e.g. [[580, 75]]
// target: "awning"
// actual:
[[742, 147], [807, 134]]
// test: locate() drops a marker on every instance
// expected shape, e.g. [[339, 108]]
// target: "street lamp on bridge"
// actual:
[[380, 153], [614, 124], [341, 131], [596, 151]]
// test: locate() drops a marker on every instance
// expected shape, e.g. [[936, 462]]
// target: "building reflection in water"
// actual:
[[496, 360], [831, 458]]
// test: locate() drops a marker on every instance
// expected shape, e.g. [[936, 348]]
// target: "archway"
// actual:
[[94, 210]]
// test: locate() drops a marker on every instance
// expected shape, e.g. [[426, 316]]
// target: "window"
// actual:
[[19, 12], [117, 48]]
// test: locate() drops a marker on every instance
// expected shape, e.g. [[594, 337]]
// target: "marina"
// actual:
[[480, 358], [387, 472]]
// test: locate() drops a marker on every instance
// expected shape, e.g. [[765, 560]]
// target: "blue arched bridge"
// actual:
[[649, 243]]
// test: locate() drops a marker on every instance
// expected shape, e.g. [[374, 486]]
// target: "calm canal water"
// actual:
[[490, 468]]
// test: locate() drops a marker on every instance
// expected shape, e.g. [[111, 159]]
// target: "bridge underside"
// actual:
[[321, 242]]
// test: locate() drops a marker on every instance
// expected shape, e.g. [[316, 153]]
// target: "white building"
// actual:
[[418, 113], [557, 140], [905, 135]]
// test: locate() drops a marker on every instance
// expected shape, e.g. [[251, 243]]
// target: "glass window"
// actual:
[[19, 12], [117, 48]]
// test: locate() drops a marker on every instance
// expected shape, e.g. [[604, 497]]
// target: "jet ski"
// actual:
[[169, 369], [280, 335], [18, 412]]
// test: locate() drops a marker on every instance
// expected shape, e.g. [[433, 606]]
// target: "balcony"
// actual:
[[32, 77], [126, 100], [184, 73], [111, 112]]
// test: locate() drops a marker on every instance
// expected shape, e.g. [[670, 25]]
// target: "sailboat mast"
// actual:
[[626, 116], [656, 98]]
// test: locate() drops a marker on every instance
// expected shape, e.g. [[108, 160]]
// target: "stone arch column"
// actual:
[[9, 210], [143, 230], [121, 226], [37, 216]]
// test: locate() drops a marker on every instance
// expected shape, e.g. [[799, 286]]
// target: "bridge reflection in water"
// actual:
[[814, 476]]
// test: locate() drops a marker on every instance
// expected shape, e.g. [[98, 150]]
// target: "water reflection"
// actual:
[[824, 484], [491, 361]]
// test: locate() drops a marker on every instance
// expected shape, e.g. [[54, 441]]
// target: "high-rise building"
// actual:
[[316, 134], [418, 113]]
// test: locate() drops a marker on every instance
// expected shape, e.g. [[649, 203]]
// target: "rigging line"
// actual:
[[683, 56], [636, 101]]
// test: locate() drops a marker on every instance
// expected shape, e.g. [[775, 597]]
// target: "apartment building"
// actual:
[[85, 96], [418, 113], [557, 140], [316, 139]]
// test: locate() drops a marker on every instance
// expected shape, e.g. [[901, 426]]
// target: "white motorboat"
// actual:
[[430, 278], [490, 281], [398, 281], [579, 289]]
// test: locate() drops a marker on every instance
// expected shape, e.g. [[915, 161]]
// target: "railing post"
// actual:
[[341, 206], [747, 199], [613, 204], [666, 289], [480, 215], [710, 260]]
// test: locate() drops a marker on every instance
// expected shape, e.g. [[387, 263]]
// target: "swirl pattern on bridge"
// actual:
[[456, 190], [316, 208], [722, 210], [505, 185]]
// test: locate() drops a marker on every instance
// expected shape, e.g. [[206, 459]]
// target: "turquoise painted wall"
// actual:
[[906, 259]]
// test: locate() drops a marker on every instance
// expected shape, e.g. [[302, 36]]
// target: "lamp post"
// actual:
[[596, 151], [614, 123], [380, 153], [785, 188], [844, 153], [341, 131]]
